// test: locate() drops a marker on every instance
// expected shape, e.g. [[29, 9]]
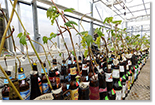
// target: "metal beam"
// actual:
[[134, 6], [134, 11], [112, 10], [144, 7], [74, 12], [126, 7], [138, 16], [98, 13]]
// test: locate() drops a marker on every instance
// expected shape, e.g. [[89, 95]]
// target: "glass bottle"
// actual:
[[94, 89], [24, 87], [116, 79], [34, 66], [5, 89], [45, 86], [35, 90], [73, 84], [102, 85]]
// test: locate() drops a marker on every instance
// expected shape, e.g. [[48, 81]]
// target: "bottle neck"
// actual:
[[73, 77]]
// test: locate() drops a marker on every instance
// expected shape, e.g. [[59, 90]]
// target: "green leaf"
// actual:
[[108, 38], [83, 33], [23, 40], [52, 35], [19, 35], [98, 32], [112, 49], [70, 23], [45, 39], [110, 19], [73, 53], [89, 39], [124, 29], [60, 54], [117, 22], [105, 20], [86, 53], [69, 10]]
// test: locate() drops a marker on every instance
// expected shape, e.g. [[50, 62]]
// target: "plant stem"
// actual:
[[11, 83], [44, 52], [28, 57], [40, 61], [62, 37], [7, 27]]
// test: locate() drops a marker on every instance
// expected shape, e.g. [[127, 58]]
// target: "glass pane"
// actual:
[[27, 19], [2, 2], [45, 27]]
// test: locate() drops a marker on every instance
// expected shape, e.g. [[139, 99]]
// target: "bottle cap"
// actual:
[[21, 70]]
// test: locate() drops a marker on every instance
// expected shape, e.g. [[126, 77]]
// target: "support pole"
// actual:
[[35, 25]]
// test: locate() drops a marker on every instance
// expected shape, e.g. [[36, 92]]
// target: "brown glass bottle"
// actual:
[[109, 80], [73, 84], [34, 66], [94, 89], [5, 90], [57, 73], [45, 86], [117, 83], [35, 90], [102, 85], [24, 87]]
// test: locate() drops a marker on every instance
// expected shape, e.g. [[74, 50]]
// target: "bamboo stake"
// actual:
[[13, 86]]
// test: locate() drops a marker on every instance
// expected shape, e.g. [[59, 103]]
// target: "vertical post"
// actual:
[[19, 25], [141, 31], [131, 30], [9, 41], [91, 23], [35, 25]]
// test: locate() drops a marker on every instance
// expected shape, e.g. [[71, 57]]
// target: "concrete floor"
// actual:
[[141, 87]]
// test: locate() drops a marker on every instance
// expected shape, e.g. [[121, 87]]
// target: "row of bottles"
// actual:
[[111, 79]]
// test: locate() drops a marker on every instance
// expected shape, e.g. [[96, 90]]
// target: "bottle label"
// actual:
[[86, 78], [103, 90], [52, 79], [5, 98], [6, 81], [74, 94], [25, 94], [115, 73], [73, 71], [45, 87], [127, 67], [84, 66], [68, 86], [108, 77], [69, 61], [121, 68], [135, 73], [94, 93], [123, 90], [129, 62], [126, 86], [21, 76], [102, 64], [109, 66], [42, 71], [118, 94]]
